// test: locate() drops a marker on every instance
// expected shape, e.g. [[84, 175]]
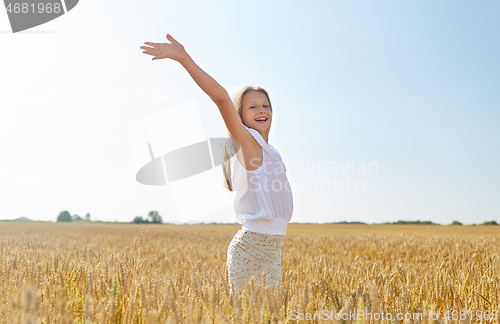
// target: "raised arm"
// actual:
[[214, 90]]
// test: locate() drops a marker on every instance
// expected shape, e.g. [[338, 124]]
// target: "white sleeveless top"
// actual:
[[264, 201]]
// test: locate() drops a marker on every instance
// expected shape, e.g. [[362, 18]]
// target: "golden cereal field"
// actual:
[[126, 273]]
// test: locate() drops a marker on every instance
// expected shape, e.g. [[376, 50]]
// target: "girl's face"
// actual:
[[256, 106]]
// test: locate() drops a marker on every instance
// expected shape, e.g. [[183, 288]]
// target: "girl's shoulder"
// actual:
[[267, 147], [256, 135]]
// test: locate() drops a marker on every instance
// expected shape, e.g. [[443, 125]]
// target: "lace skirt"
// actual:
[[253, 253]]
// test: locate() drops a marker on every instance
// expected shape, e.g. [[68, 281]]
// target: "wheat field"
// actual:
[[128, 273]]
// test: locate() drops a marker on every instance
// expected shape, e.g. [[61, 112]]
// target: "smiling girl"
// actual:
[[257, 174]]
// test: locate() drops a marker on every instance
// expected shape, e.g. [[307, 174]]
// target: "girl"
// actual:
[[264, 202]]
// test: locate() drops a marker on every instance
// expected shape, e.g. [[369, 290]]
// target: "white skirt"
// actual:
[[251, 254]]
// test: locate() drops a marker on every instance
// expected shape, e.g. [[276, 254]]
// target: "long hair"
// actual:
[[238, 105]]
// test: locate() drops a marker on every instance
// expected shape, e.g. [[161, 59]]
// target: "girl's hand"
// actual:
[[174, 50]]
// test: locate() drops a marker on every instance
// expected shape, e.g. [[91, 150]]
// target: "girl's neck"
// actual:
[[264, 136]]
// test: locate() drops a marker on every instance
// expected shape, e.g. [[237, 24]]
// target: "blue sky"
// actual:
[[411, 86]]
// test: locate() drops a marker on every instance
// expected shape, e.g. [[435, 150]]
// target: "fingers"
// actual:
[[155, 50], [171, 39], [149, 51]]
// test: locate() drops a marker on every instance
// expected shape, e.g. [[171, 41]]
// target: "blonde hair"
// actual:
[[238, 104]]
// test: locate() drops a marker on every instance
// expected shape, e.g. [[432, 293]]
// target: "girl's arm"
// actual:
[[214, 90]]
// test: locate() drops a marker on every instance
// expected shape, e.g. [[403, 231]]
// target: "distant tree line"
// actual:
[[155, 218], [431, 223], [402, 222], [344, 222], [413, 222], [65, 216], [484, 223]]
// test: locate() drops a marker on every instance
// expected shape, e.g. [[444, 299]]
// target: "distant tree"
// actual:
[[87, 217], [490, 223], [155, 217], [456, 223], [344, 222], [64, 216], [140, 220], [414, 222], [77, 218]]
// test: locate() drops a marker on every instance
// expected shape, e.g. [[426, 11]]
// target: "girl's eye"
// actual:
[[266, 106]]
